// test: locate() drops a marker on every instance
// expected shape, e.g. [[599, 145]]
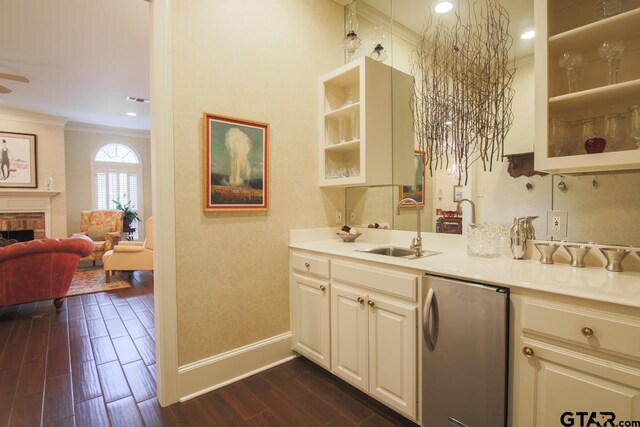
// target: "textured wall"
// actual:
[[80, 147], [260, 61], [50, 157]]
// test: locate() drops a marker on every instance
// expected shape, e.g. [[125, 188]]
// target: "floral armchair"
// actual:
[[104, 228]]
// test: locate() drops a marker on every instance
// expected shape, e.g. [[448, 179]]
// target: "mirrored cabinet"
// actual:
[[587, 85]]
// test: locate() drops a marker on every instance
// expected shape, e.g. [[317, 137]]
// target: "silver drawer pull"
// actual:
[[587, 332]]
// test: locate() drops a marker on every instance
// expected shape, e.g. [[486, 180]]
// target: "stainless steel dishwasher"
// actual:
[[464, 354]]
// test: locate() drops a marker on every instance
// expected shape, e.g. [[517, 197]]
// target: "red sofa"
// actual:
[[40, 269]]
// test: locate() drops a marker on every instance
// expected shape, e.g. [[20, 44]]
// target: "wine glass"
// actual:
[[635, 124], [612, 51], [614, 131], [593, 142], [558, 136], [572, 62]]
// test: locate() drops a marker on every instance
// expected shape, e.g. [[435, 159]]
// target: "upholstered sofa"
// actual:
[[128, 256], [110, 222], [40, 269]]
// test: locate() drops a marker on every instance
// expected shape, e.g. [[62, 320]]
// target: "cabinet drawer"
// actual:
[[599, 330], [390, 282], [310, 264]]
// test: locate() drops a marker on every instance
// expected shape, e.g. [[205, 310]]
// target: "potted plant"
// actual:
[[129, 215]]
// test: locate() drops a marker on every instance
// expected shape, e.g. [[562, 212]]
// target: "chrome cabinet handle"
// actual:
[[322, 288], [360, 300], [306, 264], [426, 321], [587, 332], [528, 351], [371, 303]]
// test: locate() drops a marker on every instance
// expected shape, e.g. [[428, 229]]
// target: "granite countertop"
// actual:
[[594, 283]]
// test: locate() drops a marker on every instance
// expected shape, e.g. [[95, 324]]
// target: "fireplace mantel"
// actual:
[[28, 201]]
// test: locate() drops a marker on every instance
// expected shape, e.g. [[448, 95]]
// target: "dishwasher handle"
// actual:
[[430, 334]]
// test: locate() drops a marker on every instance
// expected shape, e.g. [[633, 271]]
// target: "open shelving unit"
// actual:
[[355, 129], [572, 26]]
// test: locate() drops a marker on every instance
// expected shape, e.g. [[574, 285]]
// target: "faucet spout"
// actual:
[[416, 244], [473, 209]]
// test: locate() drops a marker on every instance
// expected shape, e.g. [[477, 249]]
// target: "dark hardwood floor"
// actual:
[[93, 364]]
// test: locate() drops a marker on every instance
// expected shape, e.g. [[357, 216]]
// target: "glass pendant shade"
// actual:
[[351, 41], [379, 53]]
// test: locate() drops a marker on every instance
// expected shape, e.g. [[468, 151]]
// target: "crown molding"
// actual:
[[106, 130], [378, 18], [343, 2], [31, 117]]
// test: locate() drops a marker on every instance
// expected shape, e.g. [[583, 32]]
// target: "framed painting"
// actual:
[[415, 191], [236, 164], [18, 160]]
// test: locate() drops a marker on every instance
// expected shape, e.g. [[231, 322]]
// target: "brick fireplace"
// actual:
[[22, 210], [22, 221]]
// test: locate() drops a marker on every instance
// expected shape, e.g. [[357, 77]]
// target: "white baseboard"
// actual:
[[217, 371]]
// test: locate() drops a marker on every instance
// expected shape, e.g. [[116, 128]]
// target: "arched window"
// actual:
[[117, 175]]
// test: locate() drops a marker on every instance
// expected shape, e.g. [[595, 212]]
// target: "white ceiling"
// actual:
[[413, 15], [83, 58]]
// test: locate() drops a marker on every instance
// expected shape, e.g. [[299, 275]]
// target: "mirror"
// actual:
[[604, 213]]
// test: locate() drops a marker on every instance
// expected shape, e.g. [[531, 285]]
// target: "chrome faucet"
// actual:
[[416, 243], [473, 209]]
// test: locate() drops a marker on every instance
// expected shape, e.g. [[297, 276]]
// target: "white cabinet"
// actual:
[[310, 311], [569, 358], [374, 341], [562, 27], [356, 125]]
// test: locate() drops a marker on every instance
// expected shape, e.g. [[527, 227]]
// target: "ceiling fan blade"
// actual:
[[14, 77], [4, 89]]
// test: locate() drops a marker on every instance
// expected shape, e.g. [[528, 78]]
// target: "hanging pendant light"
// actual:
[[351, 42], [379, 53]]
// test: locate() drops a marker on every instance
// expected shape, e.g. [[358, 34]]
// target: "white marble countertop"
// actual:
[[594, 283]]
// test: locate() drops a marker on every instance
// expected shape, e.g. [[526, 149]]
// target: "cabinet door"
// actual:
[[349, 349], [558, 383], [310, 322], [392, 354]]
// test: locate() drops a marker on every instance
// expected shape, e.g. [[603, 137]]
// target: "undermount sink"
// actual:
[[397, 252]]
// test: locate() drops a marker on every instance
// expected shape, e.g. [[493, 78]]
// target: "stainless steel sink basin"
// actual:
[[396, 252]]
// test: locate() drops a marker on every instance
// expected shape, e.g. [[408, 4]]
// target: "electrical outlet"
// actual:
[[557, 224], [339, 217]]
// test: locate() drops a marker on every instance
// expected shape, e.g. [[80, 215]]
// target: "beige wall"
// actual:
[[49, 132], [256, 60], [81, 143]]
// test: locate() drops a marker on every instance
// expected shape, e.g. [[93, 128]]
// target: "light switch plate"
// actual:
[[557, 224]]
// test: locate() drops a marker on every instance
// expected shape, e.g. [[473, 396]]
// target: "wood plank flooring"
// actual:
[[93, 364]]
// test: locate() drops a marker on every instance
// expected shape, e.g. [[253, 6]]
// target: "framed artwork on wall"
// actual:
[[235, 164], [457, 193], [415, 191], [18, 167]]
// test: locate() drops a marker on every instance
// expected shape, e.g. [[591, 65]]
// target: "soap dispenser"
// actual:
[[518, 235]]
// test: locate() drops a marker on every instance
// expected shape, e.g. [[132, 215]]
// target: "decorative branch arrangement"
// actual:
[[462, 88]]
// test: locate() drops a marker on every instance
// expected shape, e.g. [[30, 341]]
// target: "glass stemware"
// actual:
[[572, 62], [593, 142], [635, 124], [612, 51], [558, 136], [607, 8], [614, 130]]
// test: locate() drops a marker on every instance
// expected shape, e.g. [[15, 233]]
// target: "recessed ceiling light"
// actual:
[[528, 35], [443, 7], [131, 114]]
